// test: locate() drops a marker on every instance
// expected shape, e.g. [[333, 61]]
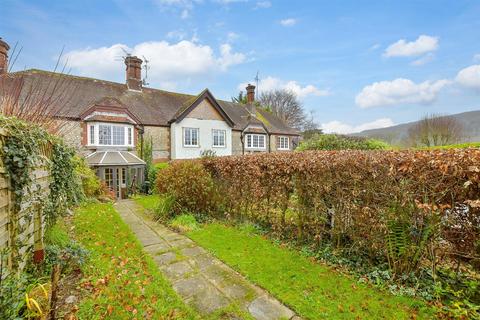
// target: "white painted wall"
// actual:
[[179, 151]]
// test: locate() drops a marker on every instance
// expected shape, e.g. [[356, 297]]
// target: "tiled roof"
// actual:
[[150, 106]]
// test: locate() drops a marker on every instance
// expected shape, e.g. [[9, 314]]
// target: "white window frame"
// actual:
[[128, 139], [184, 137], [250, 141], [223, 133], [283, 143]]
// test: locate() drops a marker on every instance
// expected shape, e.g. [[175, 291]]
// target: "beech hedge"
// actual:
[[406, 207]]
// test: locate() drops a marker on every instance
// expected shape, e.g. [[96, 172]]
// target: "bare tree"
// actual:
[[38, 100], [435, 130], [285, 105]]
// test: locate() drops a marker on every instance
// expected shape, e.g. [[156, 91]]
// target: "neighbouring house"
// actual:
[[109, 122]]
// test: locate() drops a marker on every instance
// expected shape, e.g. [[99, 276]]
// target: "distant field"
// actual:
[[454, 146]]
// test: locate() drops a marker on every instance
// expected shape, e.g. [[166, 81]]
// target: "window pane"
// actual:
[[92, 134], [194, 137], [118, 136], [104, 134], [187, 141], [249, 140], [190, 136], [255, 141], [219, 138], [109, 177], [129, 135], [261, 141]]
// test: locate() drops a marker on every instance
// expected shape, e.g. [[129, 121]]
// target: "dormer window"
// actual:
[[107, 134], [255, 141]]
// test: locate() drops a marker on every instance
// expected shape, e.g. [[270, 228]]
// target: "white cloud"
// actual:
[[185, 6], [476, 57], [344, 128], [399, 91], [271, 83], [422, 45], [170, 63], [288, 22], [469, 76], [232, 36], [177, 34], [375, 47], [423, 60], [263, 5], [229, 58]]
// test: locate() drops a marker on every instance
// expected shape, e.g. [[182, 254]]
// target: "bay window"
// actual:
[[106, 134], [255, 141]]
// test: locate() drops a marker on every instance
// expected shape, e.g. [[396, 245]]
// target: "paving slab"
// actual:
[[266, 308], [201, 280]]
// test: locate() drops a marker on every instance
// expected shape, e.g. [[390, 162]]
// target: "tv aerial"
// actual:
[[146, 67]]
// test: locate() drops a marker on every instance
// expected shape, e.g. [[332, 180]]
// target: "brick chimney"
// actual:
[[134, 73], [4, 47], [250, 93]]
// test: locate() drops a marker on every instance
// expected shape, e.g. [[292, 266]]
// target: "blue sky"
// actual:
[[355, 64]]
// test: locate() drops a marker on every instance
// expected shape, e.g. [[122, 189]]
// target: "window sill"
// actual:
[[191, 146], [219, 147], [108, 146]]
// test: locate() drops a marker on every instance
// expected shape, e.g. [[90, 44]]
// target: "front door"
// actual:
[[118, 183]]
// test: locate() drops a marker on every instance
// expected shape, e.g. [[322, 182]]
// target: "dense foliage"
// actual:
[[189, 188], [91, 184], [415, 212], [29, 151], [341, 142]]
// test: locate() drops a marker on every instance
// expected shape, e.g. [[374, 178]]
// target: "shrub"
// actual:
[[341, 142], [190, 185], [90, 182], [381, 203]]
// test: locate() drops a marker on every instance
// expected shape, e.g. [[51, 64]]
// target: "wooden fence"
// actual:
[[21, 233]]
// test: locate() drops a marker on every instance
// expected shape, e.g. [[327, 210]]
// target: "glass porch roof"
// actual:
[[113, 158]]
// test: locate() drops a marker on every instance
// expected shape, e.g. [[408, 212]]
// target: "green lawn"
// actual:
[[149, 202], [123, 281], [313, 290]]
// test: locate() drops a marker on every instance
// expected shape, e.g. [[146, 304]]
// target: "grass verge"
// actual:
[[123, 281], [313, 290]]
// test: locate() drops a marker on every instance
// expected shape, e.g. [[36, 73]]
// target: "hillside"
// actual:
[[396, 134]]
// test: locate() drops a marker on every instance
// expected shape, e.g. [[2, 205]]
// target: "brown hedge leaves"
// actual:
[[360, 199]]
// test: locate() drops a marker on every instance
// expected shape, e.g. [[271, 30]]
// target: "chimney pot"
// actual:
[[134, 72], [250, 93], [4, 47]]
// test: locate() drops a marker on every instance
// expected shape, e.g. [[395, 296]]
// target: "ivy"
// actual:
[[65, 186], [26, 148]]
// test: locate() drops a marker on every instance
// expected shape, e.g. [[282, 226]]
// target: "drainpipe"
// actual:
[[242, 141], [141, 130]]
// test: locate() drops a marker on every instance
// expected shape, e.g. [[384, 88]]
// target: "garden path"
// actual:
[[203, 281]]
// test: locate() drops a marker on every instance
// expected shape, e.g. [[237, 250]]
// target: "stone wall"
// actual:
[[236, 143], [161, 142], [72, 133]]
